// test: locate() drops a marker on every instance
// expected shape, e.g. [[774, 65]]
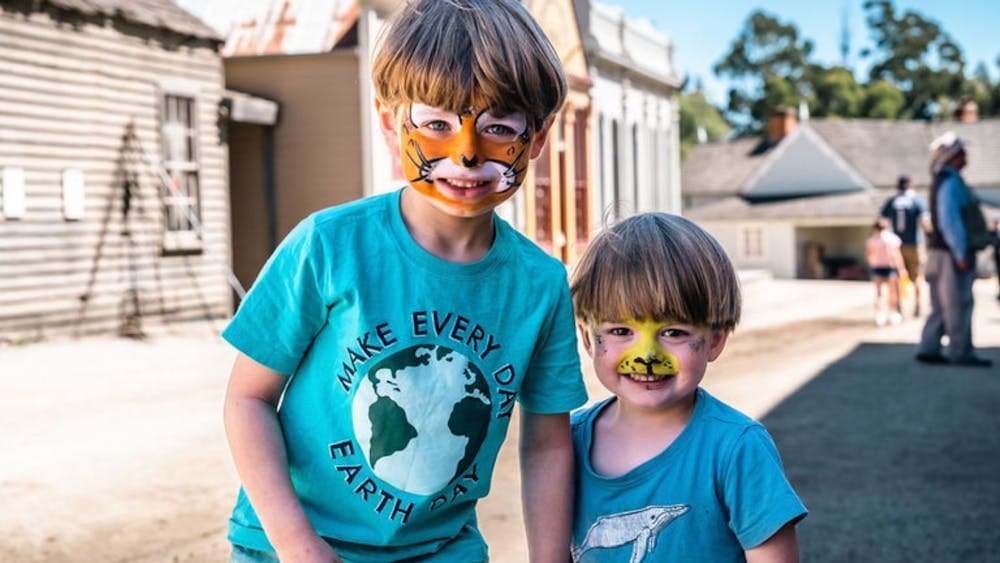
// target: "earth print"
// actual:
[[420, 417]]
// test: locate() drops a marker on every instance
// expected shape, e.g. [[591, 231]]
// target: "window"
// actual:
[[182, 197], [752, 242], [616, 171]]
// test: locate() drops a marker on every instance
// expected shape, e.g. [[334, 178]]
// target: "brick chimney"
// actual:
[[967, 111], [780, 123]]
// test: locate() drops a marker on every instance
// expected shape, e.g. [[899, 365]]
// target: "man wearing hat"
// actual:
[[951, 263], [909, 217]]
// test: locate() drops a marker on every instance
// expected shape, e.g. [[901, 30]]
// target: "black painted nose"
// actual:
[[470, 162]]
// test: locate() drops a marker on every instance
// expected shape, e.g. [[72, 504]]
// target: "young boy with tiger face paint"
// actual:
[[400, 331], [664, 471]]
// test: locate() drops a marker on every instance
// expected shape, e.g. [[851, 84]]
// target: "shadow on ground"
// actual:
[[896, 461]]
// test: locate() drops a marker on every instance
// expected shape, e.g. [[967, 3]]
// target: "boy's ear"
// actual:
[[538, 137], [387, 119], [585, 338], [716, 343]]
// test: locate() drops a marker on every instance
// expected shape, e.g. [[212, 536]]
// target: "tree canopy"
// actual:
[[916, 70]]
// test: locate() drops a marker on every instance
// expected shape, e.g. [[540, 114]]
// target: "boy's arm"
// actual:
[[258, 449], [782, 547], [547, 485]]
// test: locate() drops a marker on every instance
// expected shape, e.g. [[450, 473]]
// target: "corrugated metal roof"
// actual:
[[285, 27], [163, 14]]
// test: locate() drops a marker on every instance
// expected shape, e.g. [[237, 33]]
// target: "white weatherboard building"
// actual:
[[634, 117]]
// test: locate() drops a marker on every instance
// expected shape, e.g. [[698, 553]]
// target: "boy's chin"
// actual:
[[465, 209]]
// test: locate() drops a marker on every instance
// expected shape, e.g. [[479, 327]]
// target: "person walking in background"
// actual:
[[951, 264], [885, 263], [909, 218], [996, 251]]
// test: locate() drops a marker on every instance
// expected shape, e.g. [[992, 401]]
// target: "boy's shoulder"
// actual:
[[724, 416], [355, 210], [583, 415], [537, 262]]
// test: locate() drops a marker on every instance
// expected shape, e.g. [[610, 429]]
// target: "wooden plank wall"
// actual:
[[68, 90]]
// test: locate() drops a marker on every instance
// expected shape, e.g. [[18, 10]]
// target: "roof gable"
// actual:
[[803, 164], [721, 168], [876, 150]]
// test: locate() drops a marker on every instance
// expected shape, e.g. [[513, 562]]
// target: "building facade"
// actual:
[[114, 207], [636, 148]]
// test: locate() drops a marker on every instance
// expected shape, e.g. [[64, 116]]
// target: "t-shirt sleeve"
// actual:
[[757, 494], [553, 383], [285, 308], [887, 209]]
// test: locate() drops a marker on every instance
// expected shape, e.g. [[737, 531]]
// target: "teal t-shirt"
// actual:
[[404, 370], [717, 490]]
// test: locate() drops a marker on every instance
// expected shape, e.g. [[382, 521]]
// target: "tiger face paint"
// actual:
[[466, 163], [651, 364]]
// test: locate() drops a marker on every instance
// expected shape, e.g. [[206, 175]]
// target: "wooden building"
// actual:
[[114, 204], [556, 196]]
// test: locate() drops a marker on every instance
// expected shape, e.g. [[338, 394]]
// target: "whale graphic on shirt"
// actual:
[[638, 527]]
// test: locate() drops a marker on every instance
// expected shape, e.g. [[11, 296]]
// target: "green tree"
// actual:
[[767, 61], [836, 93], [906, 45], [882, 100], [697, 112]]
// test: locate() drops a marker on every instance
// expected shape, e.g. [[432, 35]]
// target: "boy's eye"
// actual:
[[437, 126], [499, 130], [620, 331], [675, 333]]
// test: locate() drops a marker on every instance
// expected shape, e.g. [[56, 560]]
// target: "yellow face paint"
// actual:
[[646, 355]]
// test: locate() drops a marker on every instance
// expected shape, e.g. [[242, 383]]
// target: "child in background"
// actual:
[[885, 262], [664, 471], [383, 345]]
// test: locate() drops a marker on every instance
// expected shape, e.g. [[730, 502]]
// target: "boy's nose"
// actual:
[[467, 146], [656, 365]]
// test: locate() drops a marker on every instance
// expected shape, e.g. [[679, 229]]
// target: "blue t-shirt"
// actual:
[[404, 369], [717, 490], [904, 212]]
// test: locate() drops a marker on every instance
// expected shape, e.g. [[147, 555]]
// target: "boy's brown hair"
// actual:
[[655, 266], [442, 52]]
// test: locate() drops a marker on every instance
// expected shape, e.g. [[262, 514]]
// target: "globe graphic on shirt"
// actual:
[[420, 417]]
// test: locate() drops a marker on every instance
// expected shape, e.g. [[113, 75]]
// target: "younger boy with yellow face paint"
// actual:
[[400, 331], [664, 471]]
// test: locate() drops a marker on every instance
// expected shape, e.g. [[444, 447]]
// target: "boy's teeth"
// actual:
[[464, 184], [645, 378]]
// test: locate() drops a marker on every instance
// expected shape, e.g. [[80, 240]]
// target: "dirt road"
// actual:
[[130, 465]]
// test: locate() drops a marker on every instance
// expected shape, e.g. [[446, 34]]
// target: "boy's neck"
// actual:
[[455, 239], [647, 420]]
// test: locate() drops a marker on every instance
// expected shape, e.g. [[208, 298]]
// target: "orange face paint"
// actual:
[[470, 161]]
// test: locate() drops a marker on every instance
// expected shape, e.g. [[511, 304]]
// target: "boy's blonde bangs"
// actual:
[[656, 266], [454, 54]]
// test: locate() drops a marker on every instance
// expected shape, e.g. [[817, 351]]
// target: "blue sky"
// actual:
[[703, 30]]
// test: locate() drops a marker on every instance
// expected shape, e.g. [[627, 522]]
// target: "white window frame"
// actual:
[[182, 199], [752, 242]]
